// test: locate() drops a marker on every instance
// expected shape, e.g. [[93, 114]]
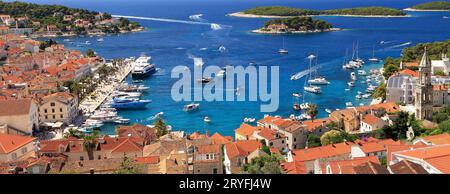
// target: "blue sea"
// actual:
[[171, 44]]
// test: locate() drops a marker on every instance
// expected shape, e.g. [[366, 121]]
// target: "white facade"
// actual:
[[441, 65], [400, 88]]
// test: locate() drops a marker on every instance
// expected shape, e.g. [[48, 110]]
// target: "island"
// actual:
[[295, 25], [431, 6], [283, 12], [55, 20]]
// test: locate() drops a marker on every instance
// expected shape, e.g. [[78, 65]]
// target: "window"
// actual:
[[45, 110], [214, 170], [53, 110], [53, 116], [60, 109], [295, 139], [62, 116], [24, 150], [46, 117], [99, 157], [52, 104]]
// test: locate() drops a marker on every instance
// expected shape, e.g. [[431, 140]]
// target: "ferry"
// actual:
[[127, 103], [191, 107], [143, 67]]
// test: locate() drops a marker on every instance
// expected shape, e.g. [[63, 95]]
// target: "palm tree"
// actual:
[[312, 111], [90, 143]]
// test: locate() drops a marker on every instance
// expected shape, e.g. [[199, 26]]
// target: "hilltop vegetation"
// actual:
[[301, 23], [288, 11], [65, 19], [436, 5], [434, 51]]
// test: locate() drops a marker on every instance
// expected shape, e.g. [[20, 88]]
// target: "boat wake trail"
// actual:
[[303, 73], [198, 61], [214, 26], [400, 45]]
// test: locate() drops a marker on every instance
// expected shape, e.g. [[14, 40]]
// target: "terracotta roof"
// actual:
[[294, 167], [407, 167], [370, 168], [370, 119], [322, 152], [9, 143], [346, 166], [438, 156], [15, 107], [242, 148], [147, 160], [311, 126], [409, 72], [411, 64], [390, 149], [219, 139], [64, 97], [206, 149], [438, 139], [246, 130], [127, 146], [270, 134], [390, 107], [441, 87]]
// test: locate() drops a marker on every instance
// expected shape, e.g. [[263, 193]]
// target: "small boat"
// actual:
[[328, 111], [283, 50], [249, 120], [296, 94], [205, 80], [362, 72], [253, 63], [358, 96], [121, 120], [100, 40], [313, 89], [349, 104], [66, 40], [207, 119], [138, 81], [366, 95], [87, 42], [221, 74], [353, 76], [351, 84], [191, 107], [296, 107]]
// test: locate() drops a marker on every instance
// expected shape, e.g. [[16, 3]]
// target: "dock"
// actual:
[[106, 87]]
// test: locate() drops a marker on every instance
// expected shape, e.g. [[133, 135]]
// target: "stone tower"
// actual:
[[424, 90]]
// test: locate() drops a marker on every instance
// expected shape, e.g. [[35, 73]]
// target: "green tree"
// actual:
[[73, 133], [389, 70], [439, 73], [438, 117], [380, 91], [445, 126], [268, 164], [90, 53], [90, 143], [312, 111], [313, 141], [161, 127], [127, 166], [399, 128], [336, 136]]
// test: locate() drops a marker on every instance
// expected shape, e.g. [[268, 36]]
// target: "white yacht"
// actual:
[[351, 84], [283, 50], [191, 107], [100, 40], [353, 76], [313, 89], [319, 81], [362, 72], [143, 67]]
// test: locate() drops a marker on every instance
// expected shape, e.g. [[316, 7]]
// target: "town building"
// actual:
[[58, 107], [434, 159], [16, 147], [400, 88], [442, 65], [424, 89], [239, 153], [21, 116]]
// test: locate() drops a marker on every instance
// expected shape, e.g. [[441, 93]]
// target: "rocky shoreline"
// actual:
[[34, 35], [244, 15], [262, 31]]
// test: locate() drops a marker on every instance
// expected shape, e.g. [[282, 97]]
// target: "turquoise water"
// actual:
[[172, 44]]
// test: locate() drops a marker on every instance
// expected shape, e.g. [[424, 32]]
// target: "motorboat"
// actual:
[[358, 96], [100, 40], [328, 111], [296, 107], [362, 72], [191, 107], [366, 95], [349, 104], [318, 81], [205, 80], [249, 120], [206, 119], [353, 76], [296, 94], [143, 67], [121, 120], [312, 89], [128, 103], [351, 84]]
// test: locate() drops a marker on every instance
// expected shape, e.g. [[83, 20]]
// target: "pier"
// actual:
[[106, 87]]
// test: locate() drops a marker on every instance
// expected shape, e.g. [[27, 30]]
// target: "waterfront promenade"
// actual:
[[106, 87]]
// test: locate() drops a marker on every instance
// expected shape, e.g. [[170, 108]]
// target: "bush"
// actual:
[[445, 126]]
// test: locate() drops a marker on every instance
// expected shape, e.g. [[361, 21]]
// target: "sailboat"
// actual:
[[311, 88], [283, 50], [373, 59], [357, 54], [354, 63], [318, 80]]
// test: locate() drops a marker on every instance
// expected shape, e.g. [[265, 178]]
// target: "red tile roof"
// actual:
[[219, 139], [242, 148], [438, 139], [370, 119], [294, 167], [15, 107], [409, 72], [147, 160], [246, 130], [9, 143], [311, 126], [346, 166]]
